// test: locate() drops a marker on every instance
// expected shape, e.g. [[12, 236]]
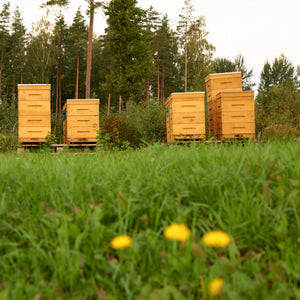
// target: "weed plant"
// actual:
[[59, 213]]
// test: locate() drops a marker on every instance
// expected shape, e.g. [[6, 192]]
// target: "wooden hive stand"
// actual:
[[185, 116], [34, 114], [236, 115], [81, 121], [216, 83]]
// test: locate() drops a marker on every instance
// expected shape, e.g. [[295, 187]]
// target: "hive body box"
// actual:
[[216, 83], [235, 112], [81, 121], [185, 116], [34, 112]]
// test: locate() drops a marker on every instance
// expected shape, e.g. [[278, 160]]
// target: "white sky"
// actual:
[[260, 30]]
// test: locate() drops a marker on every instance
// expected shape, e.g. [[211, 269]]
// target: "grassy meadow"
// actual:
[[59, 213]]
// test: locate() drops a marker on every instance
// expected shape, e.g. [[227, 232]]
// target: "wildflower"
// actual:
[[295, 139], [121, 242], [177, 232], [215, 287], [216, 238]]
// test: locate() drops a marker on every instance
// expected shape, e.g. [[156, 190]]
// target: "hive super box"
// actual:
[[236, 115], [216, 83], [185, 116], [81, 121], [34, 112]]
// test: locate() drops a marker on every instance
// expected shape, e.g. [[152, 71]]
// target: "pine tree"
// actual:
[[92, 6]]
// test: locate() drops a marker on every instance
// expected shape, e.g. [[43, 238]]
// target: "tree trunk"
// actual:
[[108, 104], [1, 69], [89, 54], [163, 83], [56, 94], [77, 75], [157, 79], [185, 59], [59, 89], [120, 104]]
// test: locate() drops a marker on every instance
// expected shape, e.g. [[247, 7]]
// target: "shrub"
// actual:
[[149, 119], [116, 131], [8, 125], [280, 133]]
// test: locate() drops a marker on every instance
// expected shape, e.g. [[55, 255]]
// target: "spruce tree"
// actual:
[[127, 40], [17, 50], [77, 47], [4, 44]]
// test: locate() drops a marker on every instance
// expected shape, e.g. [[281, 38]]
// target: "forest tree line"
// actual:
[[138, 58]]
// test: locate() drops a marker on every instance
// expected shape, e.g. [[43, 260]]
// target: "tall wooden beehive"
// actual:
[[81, 121], [235, 114], [216, 83], [185, 116], [34, 112]]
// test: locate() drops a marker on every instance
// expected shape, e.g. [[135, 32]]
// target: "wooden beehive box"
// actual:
[[216, 83], [236, 115], [185, 116], [34, 112], [81, 121]]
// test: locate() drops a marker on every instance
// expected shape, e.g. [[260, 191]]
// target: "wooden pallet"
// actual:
[[56, 147]]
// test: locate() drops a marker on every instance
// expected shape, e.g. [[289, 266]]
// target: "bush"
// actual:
[[8, 125], [116, 131], [280, 133], [149, 119]]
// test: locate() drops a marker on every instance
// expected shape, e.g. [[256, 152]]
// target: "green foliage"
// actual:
[[8, 117], [224, 65], [116, 131], [76, 47], [279, 72], [199, 55], [140, 123], [127, 40], [280, 133], [278, 99], [149, 120], [166, 78]]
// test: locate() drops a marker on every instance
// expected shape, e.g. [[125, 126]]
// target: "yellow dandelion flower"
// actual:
[[215, 287], [216, 238], [121, 242], [177, 232]]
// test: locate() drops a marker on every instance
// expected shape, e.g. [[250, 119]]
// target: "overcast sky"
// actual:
[[260, 30]]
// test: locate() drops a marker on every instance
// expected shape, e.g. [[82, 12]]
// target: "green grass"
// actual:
[[58, 213]]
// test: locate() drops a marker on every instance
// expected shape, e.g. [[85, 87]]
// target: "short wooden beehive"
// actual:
[[185, 116], [34, 112], [81, 121], [236, 115], [216, 83]]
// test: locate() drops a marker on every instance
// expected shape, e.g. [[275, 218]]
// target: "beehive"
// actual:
[[216, 83], [236, 115], [81, 121], [34, 112], [185, 116]]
